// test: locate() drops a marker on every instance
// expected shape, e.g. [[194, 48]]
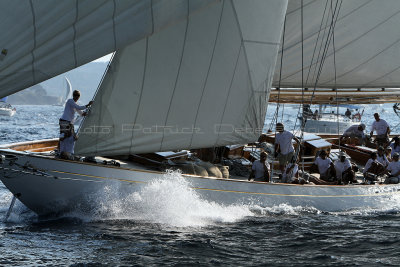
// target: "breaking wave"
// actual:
[[167, 201]]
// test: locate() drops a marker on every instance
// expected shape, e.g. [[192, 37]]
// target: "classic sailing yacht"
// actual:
[[5, 108], [185, 75]]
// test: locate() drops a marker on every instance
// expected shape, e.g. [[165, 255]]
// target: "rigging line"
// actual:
[[280, 77], [316, 43], [302, 91], [320, 56], [329, 37], [98, 86], [334, 68], [312, 60], [324, 29], [333, 22]]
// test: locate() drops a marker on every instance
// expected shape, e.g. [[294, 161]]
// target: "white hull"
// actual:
[[327, 127], [7, 112], [61, 185]]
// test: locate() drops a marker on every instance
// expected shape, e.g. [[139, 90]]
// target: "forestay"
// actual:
[[41, 39], [202, 82], [366, 40]]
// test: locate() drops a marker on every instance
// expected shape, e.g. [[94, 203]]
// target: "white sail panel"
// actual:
[[42, 39], [365, 48], [192, 85]]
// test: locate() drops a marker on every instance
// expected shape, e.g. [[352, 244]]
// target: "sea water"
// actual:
[[168, 223]]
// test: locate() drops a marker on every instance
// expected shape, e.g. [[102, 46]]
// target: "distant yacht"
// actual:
[[5, 108]]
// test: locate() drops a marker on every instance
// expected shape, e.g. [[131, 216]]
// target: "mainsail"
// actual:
[[41, 39], [201, 82], [361, 38]]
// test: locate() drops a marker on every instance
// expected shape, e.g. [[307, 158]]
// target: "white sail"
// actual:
[[366, 41], [41, 39], [68, 91], [201, 82]]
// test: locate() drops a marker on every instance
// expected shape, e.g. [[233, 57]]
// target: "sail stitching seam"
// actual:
[[260, 42], [344, 16], [177, 75], [141, 91], [208, 71], [152, 16], [34, 41], [247, 62], [373, 28], [113, 21], [74, 28], [229, 92], [347, 44]]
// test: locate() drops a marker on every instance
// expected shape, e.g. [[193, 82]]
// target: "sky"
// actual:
[[104, 59]]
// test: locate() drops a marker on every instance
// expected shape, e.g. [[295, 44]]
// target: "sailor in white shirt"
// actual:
[[394, 170], [374, 167], [381, 157], [382, 130], [283, 146], [67, 132], [260, 169], [354, 131], [343, 170], [324, 165]]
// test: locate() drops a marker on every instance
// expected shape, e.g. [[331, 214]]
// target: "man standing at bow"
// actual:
[[382, 131], [67, 132]]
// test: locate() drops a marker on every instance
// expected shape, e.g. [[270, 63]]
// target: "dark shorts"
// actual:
[[66, 128], [285, 158]]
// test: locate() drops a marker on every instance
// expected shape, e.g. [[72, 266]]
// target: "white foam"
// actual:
[[168, 201]]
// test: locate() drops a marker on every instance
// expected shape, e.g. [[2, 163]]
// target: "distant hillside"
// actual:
[[35, 95], [52, 92]]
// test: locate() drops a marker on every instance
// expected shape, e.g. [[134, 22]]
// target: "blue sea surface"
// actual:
[[173, 225]]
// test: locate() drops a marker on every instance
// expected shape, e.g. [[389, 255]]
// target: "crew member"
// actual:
[[394, 170], [67, 132], [395, 145], [348, 113], [260, 169], [382, 130], [283, 145], [381, 157], [324, 166], [354, 131], [343, 170], [373, 168]]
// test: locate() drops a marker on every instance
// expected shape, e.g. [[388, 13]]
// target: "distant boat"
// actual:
[[5, 108], [68, 94]]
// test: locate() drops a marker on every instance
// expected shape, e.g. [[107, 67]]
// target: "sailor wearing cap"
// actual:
[[324, 166], [284, 146], [394, 170], [381, 157], [355, 131], [343, 169]]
